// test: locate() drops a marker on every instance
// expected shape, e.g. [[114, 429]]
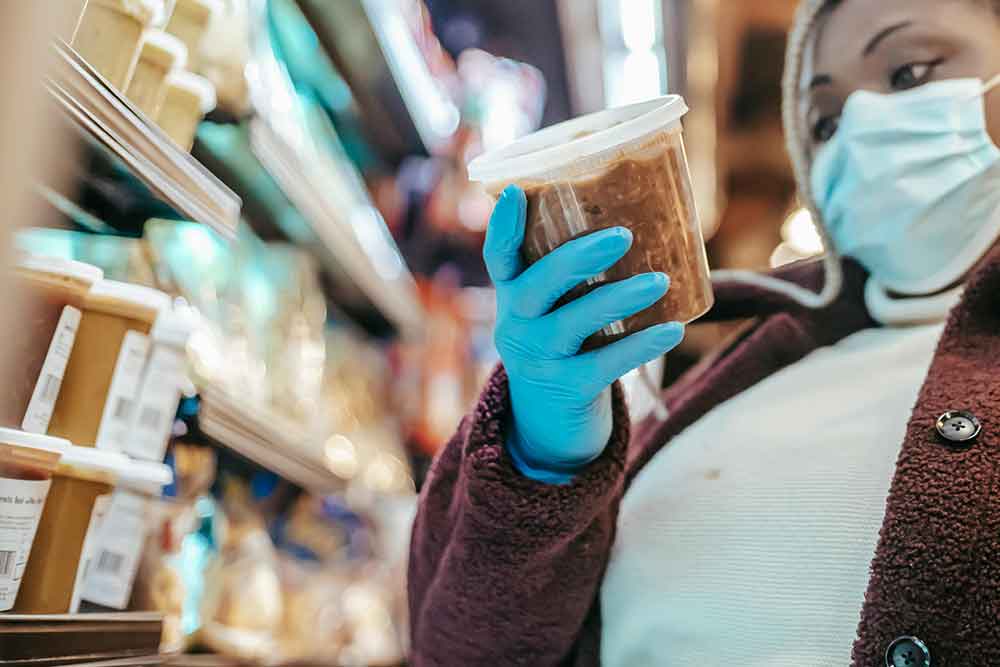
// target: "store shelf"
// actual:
[[350, 228], [67, 639], [270, 440], [105, 118]]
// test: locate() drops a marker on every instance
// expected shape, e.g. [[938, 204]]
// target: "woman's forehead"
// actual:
[[852, 29]]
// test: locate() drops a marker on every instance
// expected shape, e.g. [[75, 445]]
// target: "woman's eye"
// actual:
[[911, 76], [825, 128]]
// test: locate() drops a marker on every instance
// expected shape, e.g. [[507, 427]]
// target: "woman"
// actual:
[[839, 459]]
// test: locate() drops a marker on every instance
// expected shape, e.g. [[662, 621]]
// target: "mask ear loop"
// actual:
[[991, 84]]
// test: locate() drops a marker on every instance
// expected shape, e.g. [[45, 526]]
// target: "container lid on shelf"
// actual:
[[174, 326], [164, 49], [133, 295], [36, 441], [562, 145], [196, 86], [57, 266], [144, 474], [146, 11], [95, 460]]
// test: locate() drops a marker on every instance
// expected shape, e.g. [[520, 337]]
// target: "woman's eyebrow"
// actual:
[[877, 39], [820, 80]]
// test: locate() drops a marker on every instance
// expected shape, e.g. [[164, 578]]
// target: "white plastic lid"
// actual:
[[57, 266], [144, 474], [95, 460], [173, 327], [196, 85], [560, 145], [134, 294], [145, 10], [164, 48], [42, 443]]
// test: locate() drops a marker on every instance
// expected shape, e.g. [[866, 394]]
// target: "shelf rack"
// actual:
[[103, 116]]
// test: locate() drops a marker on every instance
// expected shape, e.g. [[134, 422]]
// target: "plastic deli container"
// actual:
[[109, 34], [189, 22], [160, 54], [160, 390], [622, 167], [55, 290], [115, 550], [97, 399], [189, 97], [69, 19], [27, 461], [79, 495]]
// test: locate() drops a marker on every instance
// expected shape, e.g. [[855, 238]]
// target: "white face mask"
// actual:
[[910, 184]]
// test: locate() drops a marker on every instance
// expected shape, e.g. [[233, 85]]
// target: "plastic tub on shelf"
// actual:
[[161, 53], [109, 34], [78, 497], [69, 19], [55, 290], [624, 166], [96, 402], [189, 22], [27, 462], [189, 97]]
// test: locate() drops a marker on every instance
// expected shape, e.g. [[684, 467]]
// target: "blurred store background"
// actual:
[[325, 240]]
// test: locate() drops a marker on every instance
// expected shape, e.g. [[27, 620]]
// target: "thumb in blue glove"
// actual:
[[561, 398]]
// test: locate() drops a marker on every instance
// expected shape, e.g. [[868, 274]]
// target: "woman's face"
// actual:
[[888, 46]]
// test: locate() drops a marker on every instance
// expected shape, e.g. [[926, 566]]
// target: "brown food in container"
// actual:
[[623, 167]]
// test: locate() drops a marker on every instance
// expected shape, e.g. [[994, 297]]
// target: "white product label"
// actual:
[[116, 551], [101, 506], [120, 405], [43, 398], [21, 504], [158, 399]]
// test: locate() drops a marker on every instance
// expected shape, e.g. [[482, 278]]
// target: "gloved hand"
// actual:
[[561, 398]]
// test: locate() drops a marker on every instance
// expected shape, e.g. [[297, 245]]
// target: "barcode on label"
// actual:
[[7, 563], [110, 562], [50, 388], [149, 418], [123, 408]]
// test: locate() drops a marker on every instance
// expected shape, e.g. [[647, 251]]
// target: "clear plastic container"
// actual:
[[27, 461], [161, 53], [109, 34], [52, 581], [622, 167], [189, 22], [189, 97], [40, 346], [96, 400]]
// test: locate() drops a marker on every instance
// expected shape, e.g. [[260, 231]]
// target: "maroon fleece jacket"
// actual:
[[507, 571]]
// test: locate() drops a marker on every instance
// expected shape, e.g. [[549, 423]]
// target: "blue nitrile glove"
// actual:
[[561, 399]]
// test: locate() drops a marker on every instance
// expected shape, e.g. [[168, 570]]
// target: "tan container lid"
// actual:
[[119, 298], [61, 268], [34, 441], [164, 49], [146, 11], [202, 9], [197, 87], [91, 463]]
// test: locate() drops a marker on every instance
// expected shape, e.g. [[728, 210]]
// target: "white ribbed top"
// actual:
[[747, 540]]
